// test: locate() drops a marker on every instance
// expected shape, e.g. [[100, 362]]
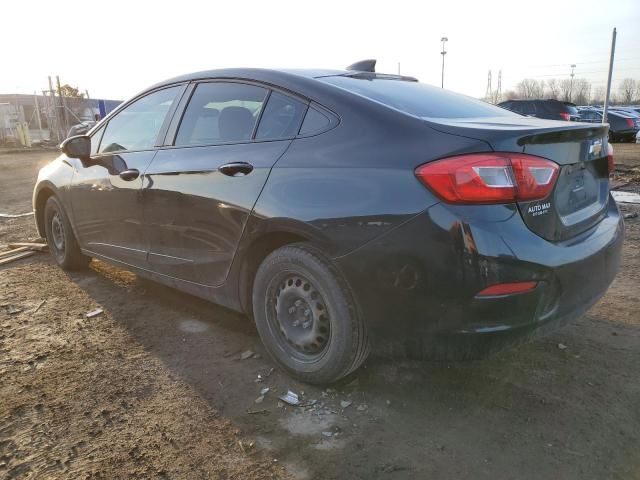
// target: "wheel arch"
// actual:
[[41, 196], [254, 253]]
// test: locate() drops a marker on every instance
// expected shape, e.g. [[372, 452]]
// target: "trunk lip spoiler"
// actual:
[[561, 136], [531, 131]]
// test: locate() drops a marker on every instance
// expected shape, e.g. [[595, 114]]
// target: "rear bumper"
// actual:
[[420, 281]]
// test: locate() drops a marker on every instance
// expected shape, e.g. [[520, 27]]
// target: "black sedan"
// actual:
[[623, 126], [343, 209]]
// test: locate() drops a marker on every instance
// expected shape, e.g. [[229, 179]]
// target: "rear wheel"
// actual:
[[62, 242], [306, 317]]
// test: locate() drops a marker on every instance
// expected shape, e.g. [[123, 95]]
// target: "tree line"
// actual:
[[580, 91]]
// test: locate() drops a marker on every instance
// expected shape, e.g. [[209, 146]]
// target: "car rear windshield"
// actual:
[[417, 98], [555, 106], [571, 108]]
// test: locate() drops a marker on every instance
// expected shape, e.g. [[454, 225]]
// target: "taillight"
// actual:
[[489, 177], [565, 116], [610, 164], [630, 122]]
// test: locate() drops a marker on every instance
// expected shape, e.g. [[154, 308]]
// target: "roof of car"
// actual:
[[302, 81], [255, 73]]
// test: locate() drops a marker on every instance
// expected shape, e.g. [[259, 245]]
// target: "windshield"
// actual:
[[416, 98]]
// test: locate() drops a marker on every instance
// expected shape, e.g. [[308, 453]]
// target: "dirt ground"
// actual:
[[154, 387]]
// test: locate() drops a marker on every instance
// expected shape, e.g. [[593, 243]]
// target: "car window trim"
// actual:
[[172, 129], [252, 138], [157, 143]]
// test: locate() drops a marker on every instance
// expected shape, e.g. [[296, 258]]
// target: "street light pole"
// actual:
[[571, 83], [444, 41], [606, 99]]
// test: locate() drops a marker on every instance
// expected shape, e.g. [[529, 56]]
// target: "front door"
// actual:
[[106, 190], [200, 192]]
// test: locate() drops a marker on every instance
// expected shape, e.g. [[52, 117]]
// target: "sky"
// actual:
[[116, 48]]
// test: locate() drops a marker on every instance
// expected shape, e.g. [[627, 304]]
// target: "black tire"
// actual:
[[306, 316], [62, 242]]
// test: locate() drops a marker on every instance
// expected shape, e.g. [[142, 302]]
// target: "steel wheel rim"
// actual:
[[57, 232], [299, 316]]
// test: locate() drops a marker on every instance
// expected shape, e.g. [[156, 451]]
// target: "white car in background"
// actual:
[[638, 137]]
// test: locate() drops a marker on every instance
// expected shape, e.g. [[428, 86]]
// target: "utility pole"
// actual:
[[63, 105], [606, 99], [398, 68], [444, 41], [35, 101], [56, 121], [499, 90], [571, 83]]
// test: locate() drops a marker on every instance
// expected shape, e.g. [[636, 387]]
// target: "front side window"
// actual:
[[136, 127], [281, 117], [221, 112], [95, 140]]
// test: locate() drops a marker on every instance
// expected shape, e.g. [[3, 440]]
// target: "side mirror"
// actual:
[[77, 147]]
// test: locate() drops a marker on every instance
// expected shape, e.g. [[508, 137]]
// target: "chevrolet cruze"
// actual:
[[343, 210]]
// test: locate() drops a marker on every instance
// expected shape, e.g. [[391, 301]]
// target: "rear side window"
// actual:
[[314, 122], [281, 117], [136, 127], [417, 98], [220, 112]]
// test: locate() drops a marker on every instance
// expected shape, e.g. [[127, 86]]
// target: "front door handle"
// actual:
[[130, 174], [236, 169]]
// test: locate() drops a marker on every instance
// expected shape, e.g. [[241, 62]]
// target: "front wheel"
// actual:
[[62, 242], [306, 316]]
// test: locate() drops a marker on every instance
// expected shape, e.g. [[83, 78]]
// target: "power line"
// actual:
[[592, 72], [624, 59]]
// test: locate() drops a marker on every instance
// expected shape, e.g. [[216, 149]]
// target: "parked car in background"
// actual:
[[623, 126], [638, 137], [626, 110], [342, 209], [549, 109], [629, 109]]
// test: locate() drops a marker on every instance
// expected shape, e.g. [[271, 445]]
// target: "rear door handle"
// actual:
[[236, 169], [130, 174]]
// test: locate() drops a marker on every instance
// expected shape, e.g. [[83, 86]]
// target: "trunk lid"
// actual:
[[579, 198]]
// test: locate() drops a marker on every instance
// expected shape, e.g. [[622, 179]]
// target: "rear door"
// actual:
[[201, 189]]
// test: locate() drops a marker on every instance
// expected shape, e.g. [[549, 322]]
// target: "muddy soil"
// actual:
[[155, 387]]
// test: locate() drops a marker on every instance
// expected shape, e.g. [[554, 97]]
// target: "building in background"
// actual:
[[47, 118]]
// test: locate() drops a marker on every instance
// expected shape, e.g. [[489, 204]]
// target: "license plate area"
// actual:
[[577, 189]]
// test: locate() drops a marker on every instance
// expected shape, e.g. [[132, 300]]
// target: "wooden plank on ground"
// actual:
[[6, 260], [40, 247], [9, 253]]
